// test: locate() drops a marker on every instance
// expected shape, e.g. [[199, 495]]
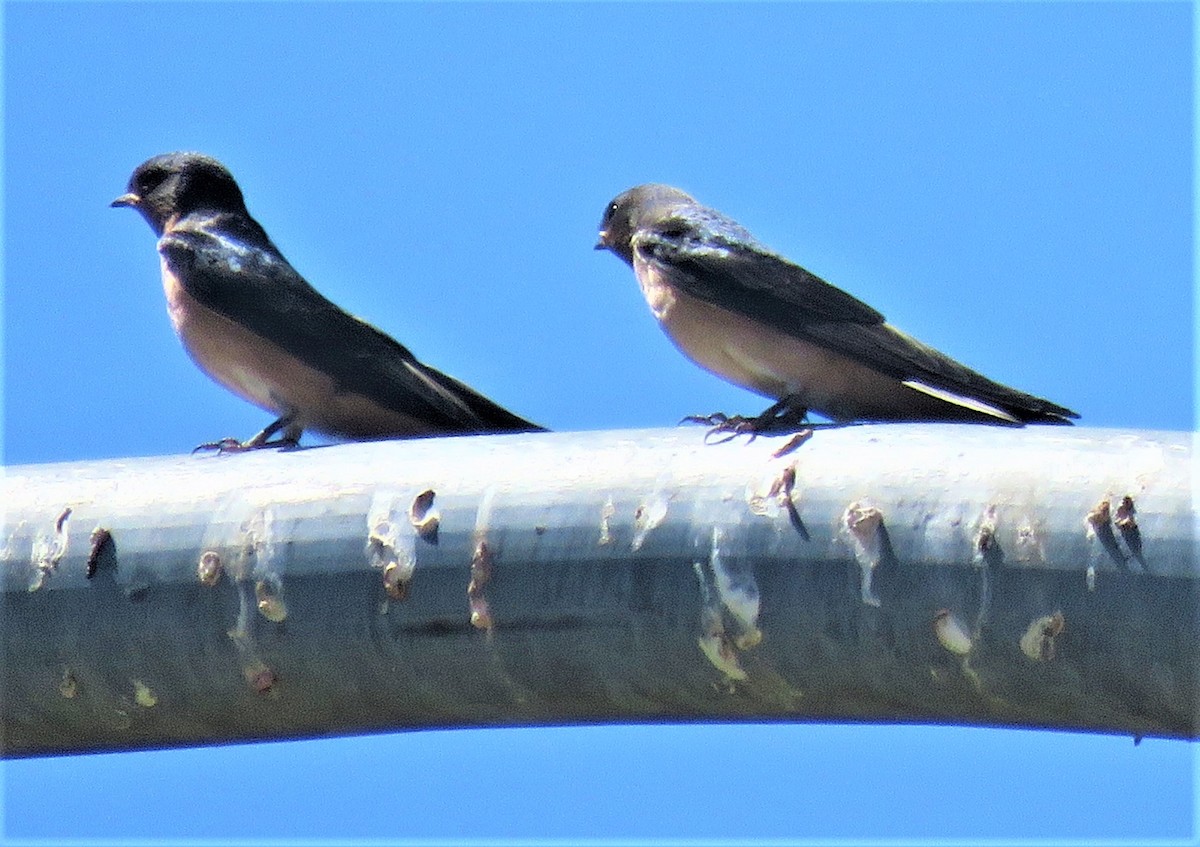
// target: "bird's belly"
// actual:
[[268, 376], [774, 364]]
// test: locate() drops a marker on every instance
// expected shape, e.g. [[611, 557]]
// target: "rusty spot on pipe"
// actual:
[[481, 573], [270, 604], [209, 569], [794, 442], [1099, 524], [260, 678], [1038, 641], [787, 482], [424, 518], [68, 687], [396, 581], [1130, 533], [864, 524], [99, 542]]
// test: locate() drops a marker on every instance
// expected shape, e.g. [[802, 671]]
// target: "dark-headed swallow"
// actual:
[[761, 322], [254, 325]]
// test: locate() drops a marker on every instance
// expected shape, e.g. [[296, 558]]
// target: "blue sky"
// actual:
[[1008, 182]]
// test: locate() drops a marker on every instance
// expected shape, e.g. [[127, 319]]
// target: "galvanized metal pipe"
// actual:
[[1041, 577]]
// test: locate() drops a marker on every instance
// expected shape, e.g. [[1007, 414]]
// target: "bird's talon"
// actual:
[[731, 428], [232, 445], [225, 445], [728, 436], [716, 419]]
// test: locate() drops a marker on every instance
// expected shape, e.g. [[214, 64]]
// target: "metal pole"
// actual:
[[1039, 577]]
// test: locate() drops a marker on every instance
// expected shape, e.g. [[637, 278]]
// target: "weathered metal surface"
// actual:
[[1044, 577]]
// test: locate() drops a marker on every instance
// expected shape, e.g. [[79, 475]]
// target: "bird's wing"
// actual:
[[892, 352], [715, 259], [258, 288], [712, 258]]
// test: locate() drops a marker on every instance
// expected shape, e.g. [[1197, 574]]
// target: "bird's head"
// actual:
[[635, 209], [175, 184]]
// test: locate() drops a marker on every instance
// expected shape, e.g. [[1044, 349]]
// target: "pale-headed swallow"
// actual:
[[254, 325], [759, 321]]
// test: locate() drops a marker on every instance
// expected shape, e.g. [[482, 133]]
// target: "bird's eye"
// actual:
[[150, 180], [612, 210]]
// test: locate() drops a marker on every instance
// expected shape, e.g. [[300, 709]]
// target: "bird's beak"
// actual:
[[129, 199], [602, 242]]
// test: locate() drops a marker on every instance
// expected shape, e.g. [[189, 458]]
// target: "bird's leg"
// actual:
[[787, 414], [290, 438]]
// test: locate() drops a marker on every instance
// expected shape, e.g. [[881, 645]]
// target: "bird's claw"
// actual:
[[729, 428], [715, 419], [232, 445], [721, 424], [224, 445]]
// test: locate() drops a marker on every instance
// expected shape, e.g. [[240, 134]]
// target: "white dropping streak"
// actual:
[[738, 592], [864, 524], [714, 643]]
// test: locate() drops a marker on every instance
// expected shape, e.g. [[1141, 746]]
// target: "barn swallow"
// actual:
[[754, 318], [254, 325]]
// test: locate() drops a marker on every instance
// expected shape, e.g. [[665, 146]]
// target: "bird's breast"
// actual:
[[224, 349]]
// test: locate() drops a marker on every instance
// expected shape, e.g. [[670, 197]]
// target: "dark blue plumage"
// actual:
[[251, 322]]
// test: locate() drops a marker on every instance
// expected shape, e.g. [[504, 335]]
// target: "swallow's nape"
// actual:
[[254, 325], [752, 317]]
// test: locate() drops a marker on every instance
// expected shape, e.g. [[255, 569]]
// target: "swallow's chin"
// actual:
[[148, 212]]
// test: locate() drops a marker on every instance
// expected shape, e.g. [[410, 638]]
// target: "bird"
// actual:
[[255, 326], [762, 322]]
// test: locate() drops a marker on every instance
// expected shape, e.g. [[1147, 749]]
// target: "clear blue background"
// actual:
[[1009, 182]]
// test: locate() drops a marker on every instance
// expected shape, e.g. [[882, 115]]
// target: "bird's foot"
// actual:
[[715, 419], [728, 427], [785, 416], [288, 441], [225, 445], [232, 445]]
